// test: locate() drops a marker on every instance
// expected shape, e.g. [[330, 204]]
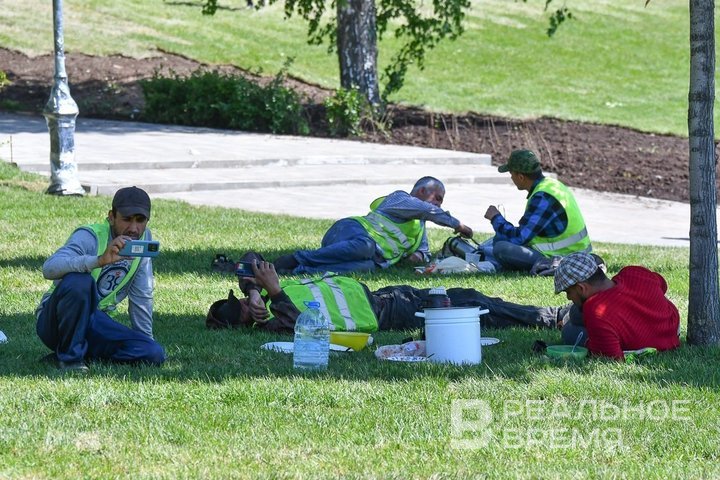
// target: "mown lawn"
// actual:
[[618, 62], [222, 408]]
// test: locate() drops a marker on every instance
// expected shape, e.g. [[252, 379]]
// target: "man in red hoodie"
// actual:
[[628, 312]]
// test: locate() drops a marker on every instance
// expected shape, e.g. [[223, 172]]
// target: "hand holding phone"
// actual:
[[140, 248]]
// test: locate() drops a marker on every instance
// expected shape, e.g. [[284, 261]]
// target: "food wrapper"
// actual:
[[409, 349]]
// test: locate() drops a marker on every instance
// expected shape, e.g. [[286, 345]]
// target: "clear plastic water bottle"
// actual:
[[312, 339]]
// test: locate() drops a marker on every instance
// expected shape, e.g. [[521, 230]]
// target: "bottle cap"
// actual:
[[312, 304], [437, 291]]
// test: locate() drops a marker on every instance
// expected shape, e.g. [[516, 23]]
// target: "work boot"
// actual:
[[285, 264]]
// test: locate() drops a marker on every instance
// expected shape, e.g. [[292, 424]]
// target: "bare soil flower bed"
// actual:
[[598, 157]]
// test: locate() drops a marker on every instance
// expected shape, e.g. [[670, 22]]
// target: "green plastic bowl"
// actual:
[[566, 352]]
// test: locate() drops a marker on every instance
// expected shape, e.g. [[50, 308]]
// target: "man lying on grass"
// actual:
[[628, 312], [274, 305], [393, 230]]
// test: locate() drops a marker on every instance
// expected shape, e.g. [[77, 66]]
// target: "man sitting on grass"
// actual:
[[274, 306], [89, 279], [393, 230], [551, 226], [628, 312]]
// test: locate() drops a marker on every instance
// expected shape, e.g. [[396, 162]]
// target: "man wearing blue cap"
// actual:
[[90, 277], [551, 226]]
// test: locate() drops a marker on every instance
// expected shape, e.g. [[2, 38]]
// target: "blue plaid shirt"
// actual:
[[543, 216]]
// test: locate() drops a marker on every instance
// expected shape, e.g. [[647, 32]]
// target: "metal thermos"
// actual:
[[459, 247], [438, 298]]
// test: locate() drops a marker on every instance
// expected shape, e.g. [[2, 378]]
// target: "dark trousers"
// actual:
[[395, 308], [515, 257], [71, 325], [346, 247], [574, 328]]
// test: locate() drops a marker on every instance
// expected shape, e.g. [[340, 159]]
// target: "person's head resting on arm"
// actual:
[[524, 168], [130, 212], [581, 275], [429, 189]]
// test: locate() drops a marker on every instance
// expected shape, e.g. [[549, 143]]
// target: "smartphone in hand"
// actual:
[[244, 269], [140, 248]]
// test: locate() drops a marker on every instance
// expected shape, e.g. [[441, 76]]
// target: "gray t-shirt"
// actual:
[[79, 254]]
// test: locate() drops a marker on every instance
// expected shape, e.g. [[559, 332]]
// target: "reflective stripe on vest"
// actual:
[[342, 299], [101, 231], [339, 300], [575, 237], [550, 246], [396, 240]]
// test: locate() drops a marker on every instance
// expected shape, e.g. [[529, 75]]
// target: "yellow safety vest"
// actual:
[[342, 299], [396, 240], [575, 237], [101, 231]]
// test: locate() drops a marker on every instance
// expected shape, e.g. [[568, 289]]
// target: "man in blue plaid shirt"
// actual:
[[552, 224]]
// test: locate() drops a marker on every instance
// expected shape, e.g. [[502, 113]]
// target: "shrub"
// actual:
[[4, 80], [345, 112], [213, 99]]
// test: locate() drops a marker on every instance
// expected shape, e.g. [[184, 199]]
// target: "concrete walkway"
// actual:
[[311, 177]]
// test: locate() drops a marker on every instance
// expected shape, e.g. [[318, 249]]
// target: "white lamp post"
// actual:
[[60, 112]]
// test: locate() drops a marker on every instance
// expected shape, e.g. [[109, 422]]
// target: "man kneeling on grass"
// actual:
[[628, 312], [274, 306]]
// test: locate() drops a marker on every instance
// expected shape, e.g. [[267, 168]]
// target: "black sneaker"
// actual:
[[79, 367], [222, 264], [285, 264], [563, 316]]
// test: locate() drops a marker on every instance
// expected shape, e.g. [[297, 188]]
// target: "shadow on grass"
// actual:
[[196, 354], [173, 262], [199, 5], [199, 261]]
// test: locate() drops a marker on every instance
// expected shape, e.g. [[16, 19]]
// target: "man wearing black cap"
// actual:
[[551, 226], [74, 318]]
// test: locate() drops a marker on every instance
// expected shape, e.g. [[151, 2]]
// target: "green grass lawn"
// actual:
[[222, 408], [617, 63]]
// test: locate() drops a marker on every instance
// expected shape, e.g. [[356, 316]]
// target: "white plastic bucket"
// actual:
[[452, 335]]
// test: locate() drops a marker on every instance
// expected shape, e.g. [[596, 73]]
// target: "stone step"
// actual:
[[277, 161], [104, 182]]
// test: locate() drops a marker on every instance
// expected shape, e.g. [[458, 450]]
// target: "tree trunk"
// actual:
[[704, 298], [357, 47]]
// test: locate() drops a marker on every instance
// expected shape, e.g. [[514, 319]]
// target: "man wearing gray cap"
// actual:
[[628, 312], [90, 277], [551, 226]]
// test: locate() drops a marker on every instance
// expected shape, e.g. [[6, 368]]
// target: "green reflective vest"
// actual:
[[396, 240], [101, 231], [575, 237], [342, 299]]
